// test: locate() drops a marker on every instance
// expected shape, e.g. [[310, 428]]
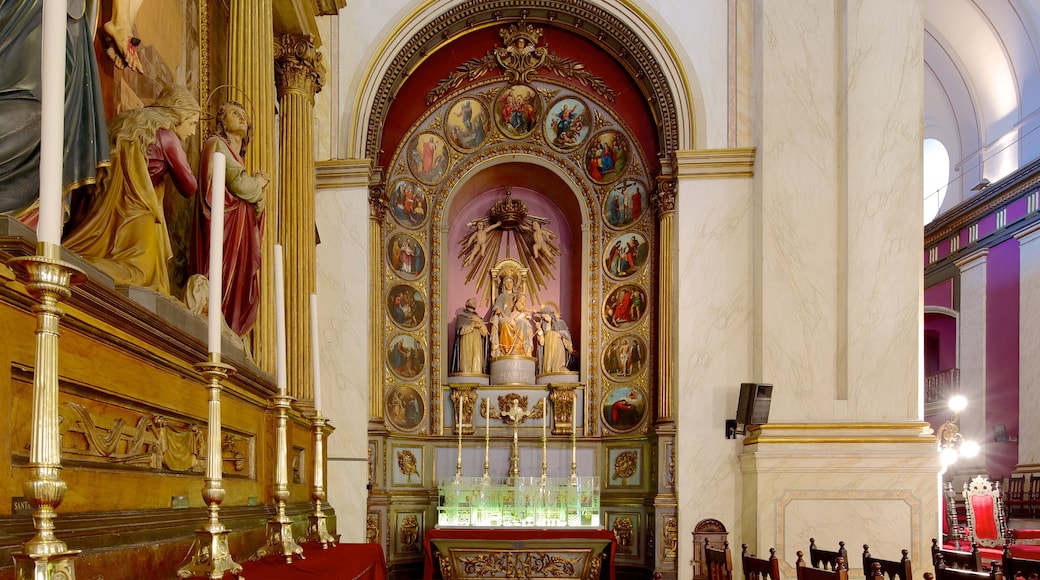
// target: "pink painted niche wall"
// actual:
[[546, 196]]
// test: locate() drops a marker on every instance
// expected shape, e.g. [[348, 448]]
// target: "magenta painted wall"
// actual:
[[1002, 380], [940, 347], [940, 294]]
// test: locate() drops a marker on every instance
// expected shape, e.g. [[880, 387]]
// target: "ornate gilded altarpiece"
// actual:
[[521, 131]]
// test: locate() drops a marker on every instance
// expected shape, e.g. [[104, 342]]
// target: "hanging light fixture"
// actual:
[[952, 444]]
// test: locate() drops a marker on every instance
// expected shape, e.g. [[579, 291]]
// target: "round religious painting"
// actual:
[[625, 203], [567, 124], [408, 203], [406, 255], [606, 157], [624, 408], [406, 306], [405, 408], [625, 356], [625, 254], [517, 110], [405, 356], [466, 124], [625, 306], [428, 157]]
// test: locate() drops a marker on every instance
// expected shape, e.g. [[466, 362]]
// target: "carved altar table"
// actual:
[[468, 553]]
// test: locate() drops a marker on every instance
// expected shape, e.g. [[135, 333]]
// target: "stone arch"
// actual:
[[630, 32]]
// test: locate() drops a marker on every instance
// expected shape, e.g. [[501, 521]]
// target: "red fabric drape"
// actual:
[[341, 562]]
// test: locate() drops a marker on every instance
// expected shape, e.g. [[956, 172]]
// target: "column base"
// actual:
[[209, 557]]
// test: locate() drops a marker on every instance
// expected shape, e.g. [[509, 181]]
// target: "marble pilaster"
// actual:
[[971, 332], [1028, 337], [343, 287], [300, 74]]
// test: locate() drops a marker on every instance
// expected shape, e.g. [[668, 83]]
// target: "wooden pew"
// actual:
[[760, 568], [839, 569]]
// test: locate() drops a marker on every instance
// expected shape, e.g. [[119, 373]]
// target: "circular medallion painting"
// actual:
[[625, 306], [405, 408], [405, 356], [624, 408], [625, 254], [467, 123], [406, 255], [408, 203], [406, 306], [625, 203], [517, 110], [428, 157], [567, 124], [624, 357], [606, 157]]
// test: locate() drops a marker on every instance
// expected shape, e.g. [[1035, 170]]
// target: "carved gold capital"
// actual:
[[298, 65], [664, 199]]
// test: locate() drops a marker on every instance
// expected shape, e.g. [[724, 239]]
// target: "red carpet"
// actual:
[[341, 562]]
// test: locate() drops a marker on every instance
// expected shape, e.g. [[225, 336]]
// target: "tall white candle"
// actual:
[[315, 352], [216, 251], [487, 420], [279, 318], [52, 123], [545, 411]]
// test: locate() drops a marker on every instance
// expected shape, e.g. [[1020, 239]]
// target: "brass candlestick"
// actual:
[[279, 528], [209, 556], [317, 528], [49, 280]]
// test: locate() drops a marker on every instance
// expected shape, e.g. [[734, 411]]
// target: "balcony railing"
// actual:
[[941, 386]]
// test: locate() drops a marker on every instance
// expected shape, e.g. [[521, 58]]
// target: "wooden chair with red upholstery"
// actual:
[[760, 568], [953, 524], [944, 572], [876, 568], [719, 562], [1034, 495], [826, 559], [839, 569], [1018, 567], [987, 522], [1015, 499]]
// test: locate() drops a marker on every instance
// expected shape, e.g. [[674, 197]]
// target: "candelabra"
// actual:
[[952, 444], [210, 556], [49, 280], [317, 528], [279, 528]]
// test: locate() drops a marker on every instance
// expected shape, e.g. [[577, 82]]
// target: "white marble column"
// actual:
[[1028, 338], [343, 286], [972, 345], [836, 305]]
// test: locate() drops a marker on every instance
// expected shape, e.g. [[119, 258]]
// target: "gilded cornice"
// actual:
[[816, 433], [298, 64], [715, 163], [330, 7], [340, 173]]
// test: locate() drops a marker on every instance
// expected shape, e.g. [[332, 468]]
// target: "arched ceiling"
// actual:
[[587, 35], [982, 72]]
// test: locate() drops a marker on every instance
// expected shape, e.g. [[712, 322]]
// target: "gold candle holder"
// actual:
[[209, 556], [317, 528], [49, 280], [279, 528]]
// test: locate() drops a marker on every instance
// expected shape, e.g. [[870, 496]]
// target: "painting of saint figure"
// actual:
[[623, 408], [428, 158], [405, 356], [625, 356], [625, 306], [405, 408], [467, 123], [625, 254], [408, 203], [517, 110], [567, 124], [606, 157], [406, 255], [406, 306], [625, 203]]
